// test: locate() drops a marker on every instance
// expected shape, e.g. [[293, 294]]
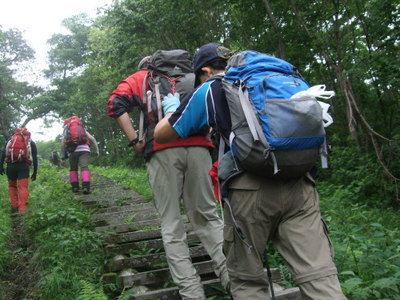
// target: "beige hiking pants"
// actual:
[[176, 175], [286, 212], [79, 160]]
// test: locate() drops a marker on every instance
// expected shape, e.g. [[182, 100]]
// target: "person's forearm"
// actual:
[[164, 133], [126, 125], [93, 142]]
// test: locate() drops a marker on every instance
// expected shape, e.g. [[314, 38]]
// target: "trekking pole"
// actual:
[[270, 278]]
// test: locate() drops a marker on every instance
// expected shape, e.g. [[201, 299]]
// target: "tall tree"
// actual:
[[15, 95]]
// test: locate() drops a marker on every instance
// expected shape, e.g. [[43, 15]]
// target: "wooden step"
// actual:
[[139, 235], [129, 277], [210, 289], [124, 217], [149, 260]]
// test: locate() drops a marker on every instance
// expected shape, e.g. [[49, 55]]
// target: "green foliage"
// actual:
[[67, 250], [46, 148], [367, 249], [5, 226], [15, 95], [357, 177], [135, 179], [364, 232], [91, 292]]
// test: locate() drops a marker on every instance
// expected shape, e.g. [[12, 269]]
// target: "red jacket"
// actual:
[[129, 93]]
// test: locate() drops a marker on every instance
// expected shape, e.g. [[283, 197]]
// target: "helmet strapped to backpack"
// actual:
[[74, 132], [18, 148]]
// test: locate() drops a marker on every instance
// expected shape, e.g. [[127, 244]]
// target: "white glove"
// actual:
[[170, 103]]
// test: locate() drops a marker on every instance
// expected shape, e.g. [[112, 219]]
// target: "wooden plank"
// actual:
[[136, 212], [172, 293], [138, 235], [160, 276], [129, 207], [121, 218], [125, 248], [124, 228], [150, 259]]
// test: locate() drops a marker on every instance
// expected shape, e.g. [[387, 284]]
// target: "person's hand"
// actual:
[[139, 147], [33, 177], [1, 170], [170, 103]]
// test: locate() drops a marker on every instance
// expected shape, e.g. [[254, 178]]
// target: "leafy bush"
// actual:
[[359, 173], [67, 250], [364, 229]]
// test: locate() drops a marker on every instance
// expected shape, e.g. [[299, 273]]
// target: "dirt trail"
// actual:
[[21, 277]]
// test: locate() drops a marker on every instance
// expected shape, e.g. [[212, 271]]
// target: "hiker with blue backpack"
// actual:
[[269, 143], [177, 171]]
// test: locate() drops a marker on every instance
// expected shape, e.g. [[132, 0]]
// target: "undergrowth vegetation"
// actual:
[[5, 229], [65, 248], [364, 228]]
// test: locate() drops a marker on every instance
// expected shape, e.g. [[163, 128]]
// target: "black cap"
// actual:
[[206, 54]]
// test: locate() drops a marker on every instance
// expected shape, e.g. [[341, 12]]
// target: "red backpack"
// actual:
[[74, 132], [18, 148]]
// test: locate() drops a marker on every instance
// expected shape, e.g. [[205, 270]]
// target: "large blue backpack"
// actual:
[[272, 135]]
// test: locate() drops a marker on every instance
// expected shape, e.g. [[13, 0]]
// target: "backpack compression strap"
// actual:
[[254, 125], [145, 101]]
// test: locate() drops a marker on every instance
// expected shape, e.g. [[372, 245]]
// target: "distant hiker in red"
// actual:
[[76, 146], [20, 154]]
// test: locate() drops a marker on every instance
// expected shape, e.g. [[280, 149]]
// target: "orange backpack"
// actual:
[[18, 148]]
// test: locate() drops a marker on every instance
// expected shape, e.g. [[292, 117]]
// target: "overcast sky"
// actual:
[[38, 20]]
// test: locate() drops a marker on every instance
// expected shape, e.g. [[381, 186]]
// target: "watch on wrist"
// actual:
[[133, 142]]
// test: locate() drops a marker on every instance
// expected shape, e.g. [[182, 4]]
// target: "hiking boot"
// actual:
[[14, 211], [75, 187], [86, 188]]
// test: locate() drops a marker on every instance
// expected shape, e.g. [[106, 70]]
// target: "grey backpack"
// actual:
[[170, 71]]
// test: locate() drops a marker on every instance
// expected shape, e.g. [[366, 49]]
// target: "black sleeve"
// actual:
[[34, 156], [122, 104], [3, 153]]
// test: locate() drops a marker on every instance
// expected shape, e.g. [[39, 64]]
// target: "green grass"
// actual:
[[367, 245], [5, 229], [66, 249], [132, 178]]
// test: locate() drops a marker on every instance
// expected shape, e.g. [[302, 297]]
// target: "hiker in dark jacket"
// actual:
[[17, 172], [177, 172], [284, 211], [55, 159]]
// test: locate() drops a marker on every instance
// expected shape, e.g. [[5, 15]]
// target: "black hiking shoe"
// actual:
[[14, 211], [75, 187], [86, 188]]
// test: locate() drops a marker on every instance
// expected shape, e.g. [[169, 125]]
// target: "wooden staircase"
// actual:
[[130, 227]]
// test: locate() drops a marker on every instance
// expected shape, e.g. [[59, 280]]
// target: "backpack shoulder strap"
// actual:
[[145, 102]]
